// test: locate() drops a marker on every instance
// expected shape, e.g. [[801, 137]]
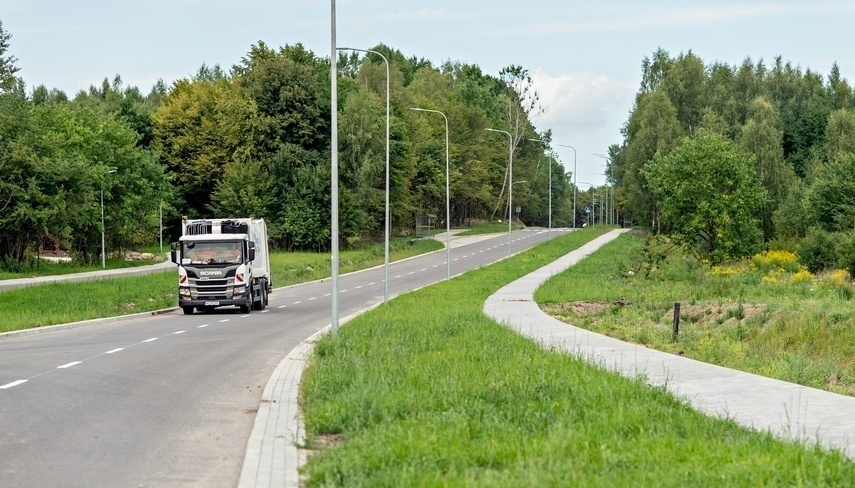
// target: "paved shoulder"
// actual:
[[786, 409]]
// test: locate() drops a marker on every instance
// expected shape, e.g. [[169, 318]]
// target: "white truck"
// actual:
[[222, 262]]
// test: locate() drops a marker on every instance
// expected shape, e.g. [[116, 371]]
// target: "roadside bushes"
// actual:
[[822, 250]]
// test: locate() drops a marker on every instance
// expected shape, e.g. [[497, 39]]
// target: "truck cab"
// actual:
[[219, 264]]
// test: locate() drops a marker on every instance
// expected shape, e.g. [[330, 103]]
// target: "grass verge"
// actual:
[[447, 397], [753, 317], [58, 303]]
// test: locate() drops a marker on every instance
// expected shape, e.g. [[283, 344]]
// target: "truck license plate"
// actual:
[[209, 304]]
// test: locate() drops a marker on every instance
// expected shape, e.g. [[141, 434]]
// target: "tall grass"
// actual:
[[427, 391], [765, 316]]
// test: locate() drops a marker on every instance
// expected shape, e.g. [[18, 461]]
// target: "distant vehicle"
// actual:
[[222, 262]]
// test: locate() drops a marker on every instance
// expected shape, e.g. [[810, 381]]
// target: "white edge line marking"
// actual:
[[14, 383], [149, 340], [202, 326], [179, 332], [73, 363], [115, 350]]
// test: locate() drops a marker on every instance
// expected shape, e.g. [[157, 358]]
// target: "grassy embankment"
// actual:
[[58, 303], [447, 397], [765, 315]]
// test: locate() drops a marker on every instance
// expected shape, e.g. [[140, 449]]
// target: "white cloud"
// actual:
[[582, 100]]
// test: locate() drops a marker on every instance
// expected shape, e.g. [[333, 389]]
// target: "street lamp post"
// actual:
[[608, 212], [447, 199], [510, 180], [103, 257], [333, 175], [551, 158], [593, 214], [574, 181], [388, 223]]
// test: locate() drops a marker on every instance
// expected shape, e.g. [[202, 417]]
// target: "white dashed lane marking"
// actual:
[[115, 350], [281, 306], [372, 284], [424, 269], [265, 311], [179, 332], [327, 294], [150, 340], [64, 366], [202, 326], [14, 383], [244, 316], [313, 298], [298, 301], [224, 320]]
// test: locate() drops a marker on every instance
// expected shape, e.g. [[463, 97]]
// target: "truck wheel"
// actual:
[[246, 308], [187, 310], [262, 303]]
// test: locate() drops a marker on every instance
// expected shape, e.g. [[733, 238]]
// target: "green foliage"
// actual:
[[831, 195], [817, 251], [708, 194], [793, 218], [458, 400]]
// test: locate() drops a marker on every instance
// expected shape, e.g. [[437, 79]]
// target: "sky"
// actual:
[[584, 56]]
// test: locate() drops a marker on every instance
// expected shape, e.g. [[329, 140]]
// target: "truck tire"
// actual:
[[187, 310], [246, 308]]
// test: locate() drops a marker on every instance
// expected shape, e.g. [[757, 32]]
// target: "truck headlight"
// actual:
[[184, 292], [239, 290]]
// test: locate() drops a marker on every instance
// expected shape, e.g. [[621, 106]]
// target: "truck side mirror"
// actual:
[[252, 250], [173, 256]]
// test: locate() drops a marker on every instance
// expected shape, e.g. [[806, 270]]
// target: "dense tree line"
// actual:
[[255, 140], [727, 159]]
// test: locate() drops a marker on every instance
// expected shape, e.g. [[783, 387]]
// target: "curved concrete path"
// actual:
[[785, 409], [86, 276]]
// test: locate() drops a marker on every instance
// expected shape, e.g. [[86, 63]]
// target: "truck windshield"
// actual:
[[212, 253]]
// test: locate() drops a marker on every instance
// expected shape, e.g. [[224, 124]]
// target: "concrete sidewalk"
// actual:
[[785, 409], [87, 276]]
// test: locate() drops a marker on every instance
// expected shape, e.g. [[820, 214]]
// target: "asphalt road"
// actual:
[[170, 400]]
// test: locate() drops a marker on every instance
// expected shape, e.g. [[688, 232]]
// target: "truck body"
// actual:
[[222, 262]]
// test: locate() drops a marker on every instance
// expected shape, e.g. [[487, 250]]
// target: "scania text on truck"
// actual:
[[222, 262]]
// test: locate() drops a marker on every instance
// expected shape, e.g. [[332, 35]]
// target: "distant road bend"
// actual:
[[170, 400]]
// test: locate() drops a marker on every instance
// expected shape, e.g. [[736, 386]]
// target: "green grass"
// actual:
[[489, 228], [737, 317], [58, 303], [48, 268], [447, 397]]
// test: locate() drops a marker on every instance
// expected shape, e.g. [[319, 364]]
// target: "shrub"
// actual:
[[817, 251], [846, 252], [775, 260]]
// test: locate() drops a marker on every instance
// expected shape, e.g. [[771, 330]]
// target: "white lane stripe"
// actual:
[[312, 298], [202, 326], [74, 363], [298, 301], [179, 332], [342, 291], [435, 265], [150, 340], [424, 269], [281, 306], [411, 272], [244, 316], [327, 294], [357, 287], [371, 284], [14, 383], [398, 276], [265, 311], [224, 320], [115, 350]]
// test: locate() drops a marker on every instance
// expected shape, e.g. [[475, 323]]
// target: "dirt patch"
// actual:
[[582, 309]]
